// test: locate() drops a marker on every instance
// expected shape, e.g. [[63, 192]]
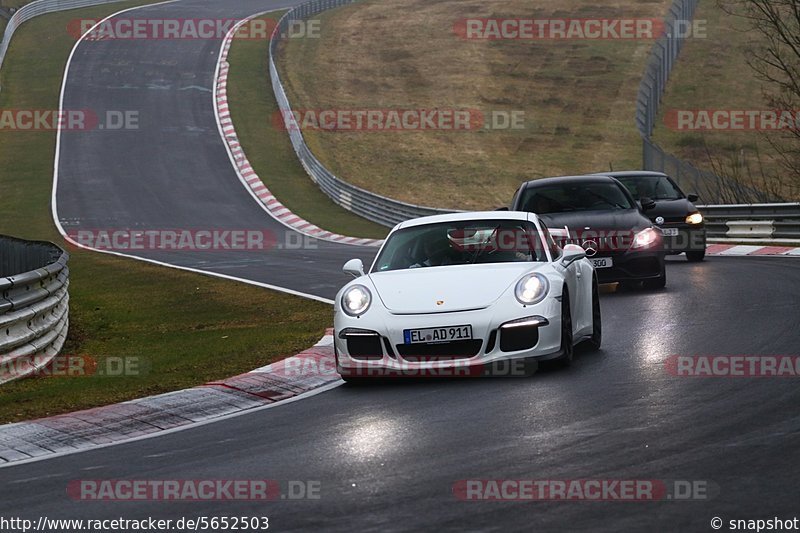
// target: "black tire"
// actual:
[[660, 282], [567, 349], [596, 339], [695, 256]]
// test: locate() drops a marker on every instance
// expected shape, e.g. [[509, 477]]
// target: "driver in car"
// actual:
[[432, 254]]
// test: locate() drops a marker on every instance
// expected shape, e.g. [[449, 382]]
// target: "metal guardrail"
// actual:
[[374, 207], [662, 59], [756, 223], [40, 7], [34, 305]]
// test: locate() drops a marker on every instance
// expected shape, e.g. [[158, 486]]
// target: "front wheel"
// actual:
[[658, 283], [696, 256], [567, 349]]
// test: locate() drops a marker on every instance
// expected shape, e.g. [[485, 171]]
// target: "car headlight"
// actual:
[[644, 238], [694, 218], [356, 300], [532, 289]]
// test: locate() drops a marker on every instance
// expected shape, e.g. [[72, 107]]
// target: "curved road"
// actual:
[[174, 171], [387, 457]]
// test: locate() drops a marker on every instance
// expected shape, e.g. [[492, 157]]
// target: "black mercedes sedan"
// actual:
[[599, 213], [675, 213]]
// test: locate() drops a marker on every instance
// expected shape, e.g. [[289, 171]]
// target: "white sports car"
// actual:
[[462, 292]]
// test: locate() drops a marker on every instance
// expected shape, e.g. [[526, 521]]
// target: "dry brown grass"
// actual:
[[713, 73], [578, 96]]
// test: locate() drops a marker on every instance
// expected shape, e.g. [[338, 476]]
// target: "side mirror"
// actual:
[[692, 197], [572, 253], [354, 267], [647, 204]]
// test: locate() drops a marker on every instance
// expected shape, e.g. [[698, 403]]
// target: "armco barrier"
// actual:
[[371, 206], [40, 7], [34, 305], [753, 223]]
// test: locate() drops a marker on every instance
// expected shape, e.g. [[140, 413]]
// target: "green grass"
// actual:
[[578, 96], [253, 110], [186, 328]]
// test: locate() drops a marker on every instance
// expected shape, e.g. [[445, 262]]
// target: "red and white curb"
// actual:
[[307, 373], [750, 250], [245, 170]]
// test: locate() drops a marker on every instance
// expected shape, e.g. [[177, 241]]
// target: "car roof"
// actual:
[[558, 180], [468, 215], [632, 173]]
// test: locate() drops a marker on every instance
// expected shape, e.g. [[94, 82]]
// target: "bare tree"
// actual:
[[774, 56]]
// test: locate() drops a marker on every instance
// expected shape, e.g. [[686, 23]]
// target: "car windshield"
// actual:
[[653, 187], [580, 196], [461, 243]]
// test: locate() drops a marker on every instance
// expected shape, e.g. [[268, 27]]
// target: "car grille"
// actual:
[[367, 347], [519, 338], [644, 266], [440, 351], [604, 245], [673, 220]]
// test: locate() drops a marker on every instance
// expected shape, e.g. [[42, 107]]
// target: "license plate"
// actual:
[[670, 232], [442, 334], [602, 262]]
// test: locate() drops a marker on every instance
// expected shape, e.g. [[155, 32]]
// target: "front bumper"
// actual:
[[689, 238], [376, 347], [631, 266]]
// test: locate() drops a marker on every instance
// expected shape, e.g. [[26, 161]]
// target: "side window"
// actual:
[[630, 185]]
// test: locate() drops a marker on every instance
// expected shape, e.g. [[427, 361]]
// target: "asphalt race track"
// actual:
[[387, 457], [174, 170]]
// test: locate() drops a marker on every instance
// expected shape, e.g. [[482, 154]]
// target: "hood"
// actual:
[[621, 219], [671, 210], [457, 287]]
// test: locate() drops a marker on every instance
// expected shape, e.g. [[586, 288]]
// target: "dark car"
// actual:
[[675, 213], [599, 213]]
